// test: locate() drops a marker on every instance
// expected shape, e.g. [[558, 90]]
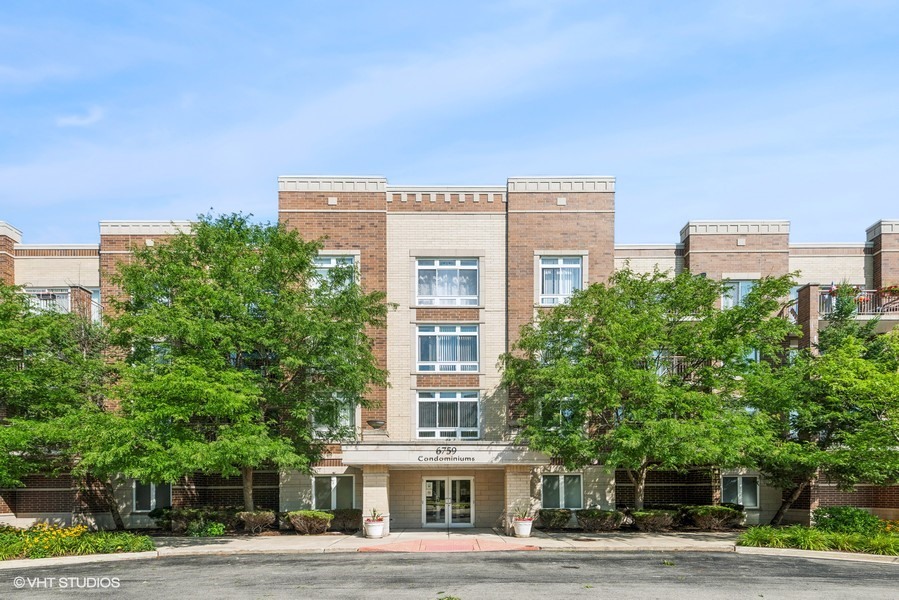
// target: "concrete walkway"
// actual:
[[428, 540]]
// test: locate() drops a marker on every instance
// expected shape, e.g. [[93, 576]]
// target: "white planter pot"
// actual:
[[522, 528], [374, 529]]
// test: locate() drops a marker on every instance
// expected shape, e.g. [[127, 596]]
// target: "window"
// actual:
[[96, 306], [448, 348], [735, 292], [52, 299], [448, 415], [740, 490], [562, 491], [330, 492], [335, 420], [560, 278], [324, 266], [148, 496], [557, 412], [447, 282]]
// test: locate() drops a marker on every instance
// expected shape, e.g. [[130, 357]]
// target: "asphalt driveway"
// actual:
[[468, 576]]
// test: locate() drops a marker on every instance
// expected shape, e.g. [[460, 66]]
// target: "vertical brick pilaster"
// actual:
[[376, 492], [517, 490], [351, 215], [884, 236], [9, 237], [807, 312]]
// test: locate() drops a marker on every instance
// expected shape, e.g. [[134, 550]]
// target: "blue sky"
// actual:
[[702, 110]]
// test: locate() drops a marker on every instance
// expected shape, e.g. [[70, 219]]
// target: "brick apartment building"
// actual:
[[466, 267]]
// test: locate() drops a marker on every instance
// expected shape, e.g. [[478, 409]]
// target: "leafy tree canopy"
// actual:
[[234, 347], [645, 372]]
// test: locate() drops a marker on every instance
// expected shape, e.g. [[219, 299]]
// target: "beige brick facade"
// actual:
[[507, 229]]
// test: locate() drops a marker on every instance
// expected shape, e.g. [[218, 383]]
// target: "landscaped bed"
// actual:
[[44, 541], [838, 528]]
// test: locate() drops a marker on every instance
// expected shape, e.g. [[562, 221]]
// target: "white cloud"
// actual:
[[94, 115]]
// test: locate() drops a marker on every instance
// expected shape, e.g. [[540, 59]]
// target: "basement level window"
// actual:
[[740, 490], [149, 496]]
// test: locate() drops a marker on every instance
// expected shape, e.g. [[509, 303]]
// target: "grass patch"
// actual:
[[808, 538], [44, 541]]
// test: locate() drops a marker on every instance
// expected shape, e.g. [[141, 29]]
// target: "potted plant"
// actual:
[[522, 519], [374, 525]]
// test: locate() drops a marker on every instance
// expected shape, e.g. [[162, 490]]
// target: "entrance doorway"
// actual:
[[447, 502]]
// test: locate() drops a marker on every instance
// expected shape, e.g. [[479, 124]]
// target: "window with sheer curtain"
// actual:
[[448, 348], [562, 491], [560, 278], [447, 281], [448, 415]]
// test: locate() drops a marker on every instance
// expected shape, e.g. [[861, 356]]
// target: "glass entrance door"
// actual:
[[448, 502]]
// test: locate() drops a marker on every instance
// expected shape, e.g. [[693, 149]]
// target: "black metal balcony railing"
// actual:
[[867, 302]]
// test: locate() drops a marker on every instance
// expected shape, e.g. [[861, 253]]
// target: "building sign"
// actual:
[[445, 454], [431, 454]]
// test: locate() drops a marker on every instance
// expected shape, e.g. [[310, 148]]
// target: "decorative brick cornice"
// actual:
[[881, 227], [328, 183], [589, 183], [144, 227], [734, 228], [446, 193], [11, 232]]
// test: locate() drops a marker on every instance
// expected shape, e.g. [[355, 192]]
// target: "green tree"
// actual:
[[234, 348], [52, 366], [832, 412], [645, 373]]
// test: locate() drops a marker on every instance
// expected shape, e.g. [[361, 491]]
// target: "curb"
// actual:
[[165, 553], [826, 555], [75, 560]]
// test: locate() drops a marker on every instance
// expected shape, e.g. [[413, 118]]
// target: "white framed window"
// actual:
[[148, 496], [560, 278], [563, 491], [325, 264], [50, 299], [96, 306], [335, 420], [448, 415], [331, 492], [446, 281], [447, 348], [740, 489], [735, 292]]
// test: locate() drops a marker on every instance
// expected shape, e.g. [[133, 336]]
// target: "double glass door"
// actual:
[[448, 502]]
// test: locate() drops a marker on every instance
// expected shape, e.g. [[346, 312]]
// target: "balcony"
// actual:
[[869, 303]]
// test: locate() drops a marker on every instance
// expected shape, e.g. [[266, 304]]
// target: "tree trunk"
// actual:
[[639, 481], [112, 504], [786, 504], [247, 473]]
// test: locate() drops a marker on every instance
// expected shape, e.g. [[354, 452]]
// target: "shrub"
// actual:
[[884, 543], [763, 536], [711, 517], [42, 541], [653, 520], [847, 519], [594, 519], [310, 522], [256, 521], [346, 519], [554, 518], [179, 519], [806, 538], [205, 529]]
